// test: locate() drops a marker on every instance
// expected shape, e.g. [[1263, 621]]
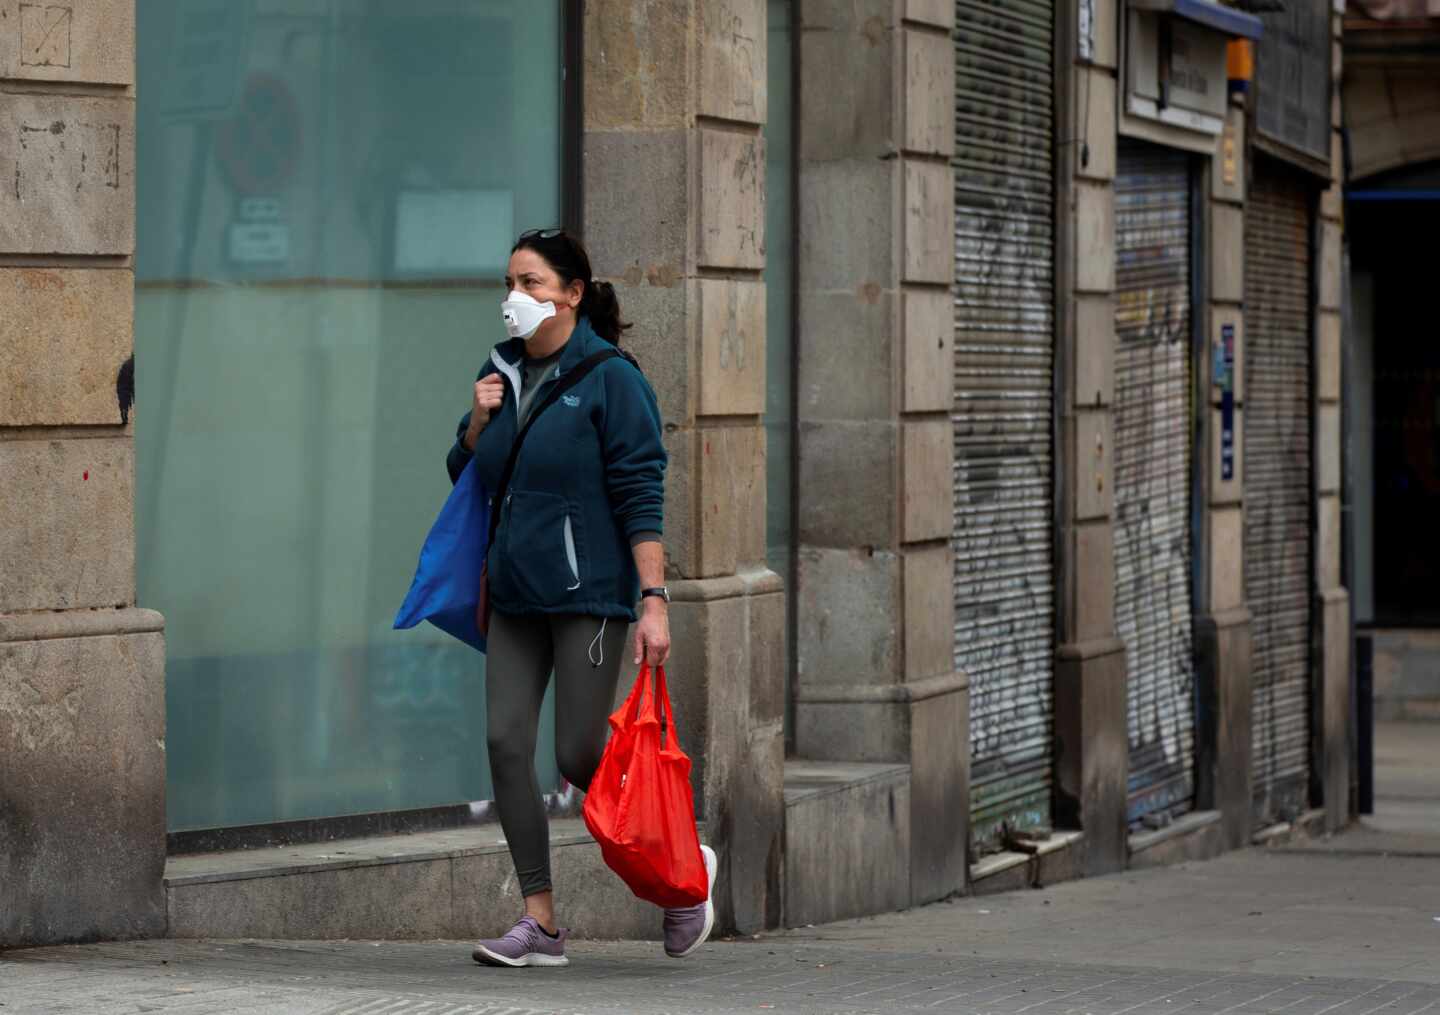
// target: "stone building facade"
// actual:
[[818, 691], [82, 842]]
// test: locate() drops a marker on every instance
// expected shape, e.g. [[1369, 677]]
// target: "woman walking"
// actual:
[[577, 546]]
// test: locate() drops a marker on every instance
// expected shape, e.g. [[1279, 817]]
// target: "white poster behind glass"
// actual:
[[462, 232]]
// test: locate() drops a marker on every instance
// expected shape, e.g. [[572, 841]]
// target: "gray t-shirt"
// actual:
[[533, 373]]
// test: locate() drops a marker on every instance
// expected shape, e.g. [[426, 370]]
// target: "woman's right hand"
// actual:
[[489, 393]]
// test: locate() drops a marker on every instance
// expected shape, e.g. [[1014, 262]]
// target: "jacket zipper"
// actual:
[[570, 556]]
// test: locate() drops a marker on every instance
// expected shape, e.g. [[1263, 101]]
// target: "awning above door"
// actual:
[[1210, 14]]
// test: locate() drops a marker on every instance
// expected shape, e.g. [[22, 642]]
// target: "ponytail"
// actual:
[[567, 255], [602, 307]]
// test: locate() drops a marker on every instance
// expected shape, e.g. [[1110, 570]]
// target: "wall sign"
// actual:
[[1292, 79], [1229, 170], [1225, 377], [1176, 72]]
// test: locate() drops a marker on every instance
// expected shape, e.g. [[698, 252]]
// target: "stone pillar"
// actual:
[[875, 596], [674, 216], [82, 703], [1333, 636], [1091, 741], [1223, 769]]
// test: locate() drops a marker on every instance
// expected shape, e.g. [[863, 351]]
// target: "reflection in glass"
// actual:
[[327, 193]]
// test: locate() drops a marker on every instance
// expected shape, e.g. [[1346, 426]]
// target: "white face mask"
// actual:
[[524, 315]]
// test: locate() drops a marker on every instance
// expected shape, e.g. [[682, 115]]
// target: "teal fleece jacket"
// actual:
[[590, 476]]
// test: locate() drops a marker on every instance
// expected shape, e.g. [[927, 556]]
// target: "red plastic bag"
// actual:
[[640, 807]]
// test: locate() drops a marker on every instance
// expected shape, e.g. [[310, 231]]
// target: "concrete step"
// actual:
[[454, 884], [1407, 675], [847, 840], [1198, 835], [1052, 859]]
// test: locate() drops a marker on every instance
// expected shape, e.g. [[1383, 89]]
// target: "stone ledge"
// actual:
[[1286, 833], [808, 779], [1082, 651], [708, 590], [1224, 619], [343, 854], [457, 883], [847, 840], [1195, 836], [915, 690], [50, 626], [995, 864], [1011, 870]]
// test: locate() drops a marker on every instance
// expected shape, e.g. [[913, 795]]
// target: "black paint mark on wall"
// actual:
[[125, 389], [45, 31], [111, 133]]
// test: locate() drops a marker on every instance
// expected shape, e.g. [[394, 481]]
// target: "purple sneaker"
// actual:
[[525, 945], [686, 929]]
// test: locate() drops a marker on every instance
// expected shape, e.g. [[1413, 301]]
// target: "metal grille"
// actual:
[[1004, 365], [1153, 437], [1277, 486]]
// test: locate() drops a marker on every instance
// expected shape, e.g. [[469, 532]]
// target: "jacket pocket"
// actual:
[[542, 550]]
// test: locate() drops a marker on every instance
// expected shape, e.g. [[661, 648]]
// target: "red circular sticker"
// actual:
[[259, 146]]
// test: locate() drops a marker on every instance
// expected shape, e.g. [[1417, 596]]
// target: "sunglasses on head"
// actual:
[[541, 234]]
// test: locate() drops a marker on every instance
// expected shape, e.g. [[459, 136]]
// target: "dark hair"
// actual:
[[567, 255]]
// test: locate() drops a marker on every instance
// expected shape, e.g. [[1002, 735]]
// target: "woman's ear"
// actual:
[[576, 291]]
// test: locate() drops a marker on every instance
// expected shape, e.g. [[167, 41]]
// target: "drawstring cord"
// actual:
[[591, 652]]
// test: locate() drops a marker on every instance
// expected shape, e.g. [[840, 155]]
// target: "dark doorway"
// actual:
[[1392, 225]]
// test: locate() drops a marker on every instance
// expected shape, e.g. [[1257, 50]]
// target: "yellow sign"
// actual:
[[1227, 156]]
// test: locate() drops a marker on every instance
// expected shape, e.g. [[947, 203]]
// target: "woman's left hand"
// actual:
[[652, 633]]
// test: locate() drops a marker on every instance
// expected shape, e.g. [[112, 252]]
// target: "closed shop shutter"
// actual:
[[1153, 455], [1004, 369], [1277, 485]]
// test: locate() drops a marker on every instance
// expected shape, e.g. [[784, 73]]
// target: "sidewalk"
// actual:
[[1256, 931], [1343, 926], [1406, 821]]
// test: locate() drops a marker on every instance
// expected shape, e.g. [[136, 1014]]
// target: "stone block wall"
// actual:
[[1091, 742], [876, 678], [82, 704], [1223, 769], [1333, 634], [675, 105]]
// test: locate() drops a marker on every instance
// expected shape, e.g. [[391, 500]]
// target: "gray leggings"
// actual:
[[521, 653]]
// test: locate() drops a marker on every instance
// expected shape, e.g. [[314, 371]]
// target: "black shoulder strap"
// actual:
[[562, 385]]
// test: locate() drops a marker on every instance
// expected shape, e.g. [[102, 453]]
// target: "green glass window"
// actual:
[[327, 194]]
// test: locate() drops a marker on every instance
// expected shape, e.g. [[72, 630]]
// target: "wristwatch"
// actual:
[[660, 590]]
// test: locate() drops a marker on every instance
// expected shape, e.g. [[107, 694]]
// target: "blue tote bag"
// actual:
[[446, 589]]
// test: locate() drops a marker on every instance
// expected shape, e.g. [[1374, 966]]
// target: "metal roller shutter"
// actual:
[[1277, 485], [1004, 368], [1153, 448]]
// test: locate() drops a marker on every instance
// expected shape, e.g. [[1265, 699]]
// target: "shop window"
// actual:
[[327, 194]]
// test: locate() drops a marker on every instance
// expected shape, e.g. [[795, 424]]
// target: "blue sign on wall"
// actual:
[[1225, 377]]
